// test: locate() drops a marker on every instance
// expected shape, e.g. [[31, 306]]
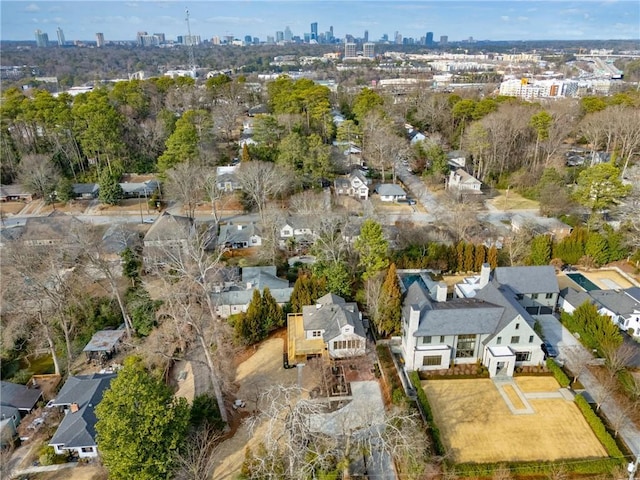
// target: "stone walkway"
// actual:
[[501, 382]]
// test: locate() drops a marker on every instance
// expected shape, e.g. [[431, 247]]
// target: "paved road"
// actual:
[[563, 340]]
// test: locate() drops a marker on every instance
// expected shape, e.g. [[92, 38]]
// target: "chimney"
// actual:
[[74, 407], [485, 274], [441, 292]]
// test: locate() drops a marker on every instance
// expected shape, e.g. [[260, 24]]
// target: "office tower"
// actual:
[[279, 36], [270, 40], [369, 50], [314, 31], [444, 39], [187, 40], [385, 37], [99, 39], [429, 40], [331, 32], [161, 37], [288, 35], [248, 39], [139, 37], [42, 39], [60, 34], [256, 40], [397, 38], [366, 36], [215, 40], [349, 50]]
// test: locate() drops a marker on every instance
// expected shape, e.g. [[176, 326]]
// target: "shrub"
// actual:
[[398, 396], [423, 401], [581, 467], [598, 427], [558, 373], [48, 456]]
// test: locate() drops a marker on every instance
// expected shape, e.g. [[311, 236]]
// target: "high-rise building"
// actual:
[[331, 32], [429, 39], [397, 38], [366, 36], [248, 39], [279, 36], [215, 40], [369, 50], [385, 37], [288, 35], [349, 50], [42, 39], [161, 37], [60, 34], [444, 39], [99, 39], [314, 31]]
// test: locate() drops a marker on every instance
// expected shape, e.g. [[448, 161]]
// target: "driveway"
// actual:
[[562, 339]]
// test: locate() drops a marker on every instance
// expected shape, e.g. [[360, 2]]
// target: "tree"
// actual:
[[541, 123], [131, 265], [182, 145], [468, 257], [578, 359], [541, 250], [492, 257], [110, 190], [140, 426], [366, 101], [249, 326], [597, 248], [185, 184], [372, 247], [600, 186], [64, 190], [38, 174], [272, 315], [479, 257], [197, 459], [389, 310], [306, 291], [260, 181], [336, 275]]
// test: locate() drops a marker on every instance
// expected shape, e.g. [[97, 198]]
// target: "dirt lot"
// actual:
[[260, 370], [11, 208], [81, 472], [477, 425]]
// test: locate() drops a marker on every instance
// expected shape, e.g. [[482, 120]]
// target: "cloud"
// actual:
[[117, 19], [504, 18], [54, 20], [32, 7], [55, 8], [523, 19]]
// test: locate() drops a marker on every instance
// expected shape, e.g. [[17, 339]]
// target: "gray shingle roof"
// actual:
[[458, 317], [332, 317], [19, 396], [528, 279], [575, 297], [390, 190], [169, 227], [85, 188], [243, 297], [619, 302], [77, 429], [261, 277], [238, 233]]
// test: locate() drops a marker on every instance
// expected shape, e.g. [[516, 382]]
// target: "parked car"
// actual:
[[549, 350], [411, 201]]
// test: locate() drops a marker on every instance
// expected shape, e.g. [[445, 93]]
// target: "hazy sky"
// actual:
[[492, 20]]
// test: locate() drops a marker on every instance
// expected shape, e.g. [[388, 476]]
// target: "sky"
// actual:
[[459, 20]]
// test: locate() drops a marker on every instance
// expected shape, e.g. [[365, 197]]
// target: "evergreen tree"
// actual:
[[468, 257], [336, 276], [390, 305], [615, 244], [460, 256], [110, 190], [64, 190], [372, 247], [492, 257], [131, 265], [140, 426], [272, 315], [479, 257], [250, 326], [246, 156], [597, 248], [571, 248], [301, 294], [541, 250]]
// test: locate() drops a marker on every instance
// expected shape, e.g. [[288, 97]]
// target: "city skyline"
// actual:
[[459, 20]]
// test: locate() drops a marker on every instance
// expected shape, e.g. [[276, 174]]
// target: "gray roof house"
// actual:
[[167, 237], [464, 182], [297, 229], [79, 396], [57, 228], [354, 185], [226, 178], [489, 322], [235, 298], [86, 190], [14, 193], [22, 397], [140, 189], [240, 235], [390, 192]]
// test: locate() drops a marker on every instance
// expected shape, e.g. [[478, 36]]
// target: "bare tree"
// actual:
[[518, 245], [603, 390], [38, 173], [308, 202], [381, 145], [261, 181], [618, 358], [185, 183], [578, 359], [459, 215], [213, 193], [196, 461]]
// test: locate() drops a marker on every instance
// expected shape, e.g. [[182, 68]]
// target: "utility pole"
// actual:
[[192, 59]]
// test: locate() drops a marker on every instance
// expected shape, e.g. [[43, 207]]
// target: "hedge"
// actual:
[[390, 374], [584, 467], [561, 377], [428, 413], [598, 427]]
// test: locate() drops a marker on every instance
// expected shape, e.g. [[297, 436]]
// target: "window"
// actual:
[[316, 333], [466, 346], [548, 295], [530, 338], [441, 338], [87, 449], [515, 339], [346, 345], [498, 340], [519, 296], [431, 360], [534, 296], [426, 340], [523, 356], [517, 326]]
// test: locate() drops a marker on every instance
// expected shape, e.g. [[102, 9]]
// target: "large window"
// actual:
[[431, 360], [523, 356], [426, 340], [548, 295], [347, 345], [466, 346], [515, 339]]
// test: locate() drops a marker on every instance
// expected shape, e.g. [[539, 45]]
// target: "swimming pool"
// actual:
[[583, 281]]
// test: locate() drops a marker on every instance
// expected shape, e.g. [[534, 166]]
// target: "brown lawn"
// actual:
[[514, 201], [477, 426], [11, 208], [80, 472]]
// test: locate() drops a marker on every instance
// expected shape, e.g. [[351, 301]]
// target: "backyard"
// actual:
[[477, 425]]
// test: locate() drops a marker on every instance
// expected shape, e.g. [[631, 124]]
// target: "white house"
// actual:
[[390, 192], [226, 179], [464, 182], [491, 326], [354, 185], [296, 229], [78, 397]]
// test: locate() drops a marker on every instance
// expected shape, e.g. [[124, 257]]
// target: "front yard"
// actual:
[[477, 425]]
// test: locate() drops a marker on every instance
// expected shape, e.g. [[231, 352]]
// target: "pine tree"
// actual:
[[597, 248], [251, 326], [460, 256], [390, 305], [246, 157], [541, 250], [301, 294], [372, 247], [468, 257], [479, 257]]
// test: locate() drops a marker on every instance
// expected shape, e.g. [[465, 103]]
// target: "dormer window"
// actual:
[[316, 333]]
